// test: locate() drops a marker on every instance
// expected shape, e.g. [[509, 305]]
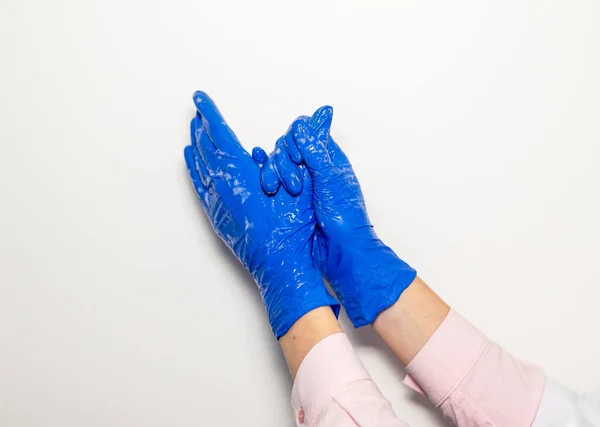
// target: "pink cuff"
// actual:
[[445, 359], [473, 381], [329, 368]]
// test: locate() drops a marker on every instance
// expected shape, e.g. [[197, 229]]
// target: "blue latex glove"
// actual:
[[366, 275], [271, 236]]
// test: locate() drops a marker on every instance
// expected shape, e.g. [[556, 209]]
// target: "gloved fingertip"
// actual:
[[286, 169], [301, 119], [259, 155], [270, 187], [322, 118], [192, 167], [200, 96], [293, 183], [291, 147], [188, 155], [195, 128], [269, 179]]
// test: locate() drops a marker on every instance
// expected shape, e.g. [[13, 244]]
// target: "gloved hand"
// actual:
[[366, 275], [271, 236]]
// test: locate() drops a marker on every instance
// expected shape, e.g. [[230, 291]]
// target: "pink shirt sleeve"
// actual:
[[474, 381], [333, 388]]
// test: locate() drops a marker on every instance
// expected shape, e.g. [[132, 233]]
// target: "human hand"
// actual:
[[366, 275], [271, 236]]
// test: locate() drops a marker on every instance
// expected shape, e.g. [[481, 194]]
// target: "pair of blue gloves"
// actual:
[[290, 238]]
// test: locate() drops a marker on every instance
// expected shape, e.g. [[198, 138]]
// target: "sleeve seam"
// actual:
[[462, 377], [478, 411], [319, 408]]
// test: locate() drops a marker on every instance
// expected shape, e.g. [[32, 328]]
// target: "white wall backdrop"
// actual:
[[472, 125]]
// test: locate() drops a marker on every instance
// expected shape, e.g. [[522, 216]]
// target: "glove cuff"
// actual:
[[368, 280], [289, 292]]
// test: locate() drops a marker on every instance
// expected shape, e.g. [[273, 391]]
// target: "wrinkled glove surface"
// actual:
[[271, 235], [366, 275]]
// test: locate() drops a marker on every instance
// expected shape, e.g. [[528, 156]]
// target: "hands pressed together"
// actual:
[[297, 216], [293, 217]]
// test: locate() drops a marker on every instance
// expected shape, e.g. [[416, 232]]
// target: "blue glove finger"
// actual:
[[287, 153], [196, 181], [204, 145], [338, 157], [285, 172], [320, 121], [259, 156], [313, 150], [218, 131], [203, 172], [196, 128], [290, 145], [269, 179], [306, 181], [288, 171]]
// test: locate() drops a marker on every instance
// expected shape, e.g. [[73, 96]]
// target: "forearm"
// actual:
[[409, 323], [309, 330]]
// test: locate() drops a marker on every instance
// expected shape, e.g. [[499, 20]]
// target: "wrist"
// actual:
[[409, 323], [305, 333]]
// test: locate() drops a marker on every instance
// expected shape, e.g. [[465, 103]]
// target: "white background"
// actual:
[[472, 125]]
